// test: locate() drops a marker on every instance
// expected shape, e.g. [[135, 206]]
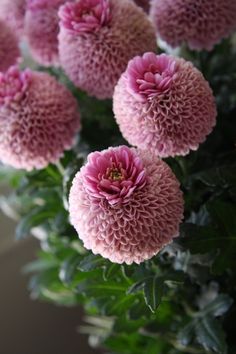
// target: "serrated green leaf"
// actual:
[[218, 306], [210, 334]]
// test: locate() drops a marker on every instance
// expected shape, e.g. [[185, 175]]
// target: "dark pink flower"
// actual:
[[150, 75], [164, 104], [130, 222], [113, 174], [9, 51], [41, 30], [201, 24], [13, 85], [97, 39], [85, 15], [38, 119]]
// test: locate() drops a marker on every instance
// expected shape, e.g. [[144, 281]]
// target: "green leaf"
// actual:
[[110, 271], [40, 265], [210, 334], [136, 287], [91, 262], [186, 335], [223, 215], [36, 217], [69, 268], [218, 306], [153, 291], [92, 287]]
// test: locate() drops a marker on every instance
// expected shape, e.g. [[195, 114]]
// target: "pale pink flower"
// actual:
[[41, 30], [201, 24], [164, 104], [126, 205], [13, 13], [97, 39], [38, 119], [9, 51]]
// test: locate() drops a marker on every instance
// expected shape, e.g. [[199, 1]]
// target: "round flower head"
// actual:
[[9, 51], [164, 104], [125, 204], [13, 13], [38, 119], [201, 24], [41, 30], [97, 39]]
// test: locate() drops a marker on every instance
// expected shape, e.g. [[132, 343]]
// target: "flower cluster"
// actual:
[[97, 39], [164, 104], [201, 24], [125, 204], [38, 119]]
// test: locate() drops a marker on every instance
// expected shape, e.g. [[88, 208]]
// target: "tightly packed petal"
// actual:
[[38, 119], [13, 13], [125, 204], [164, 104], [97, 39], [9, 51], [41, 30], [201, 24]]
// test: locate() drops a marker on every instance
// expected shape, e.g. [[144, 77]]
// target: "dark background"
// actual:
[[28, 326]]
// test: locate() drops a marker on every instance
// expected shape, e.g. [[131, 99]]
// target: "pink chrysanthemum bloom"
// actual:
[[9, 51], [201, 24], [125, 204], [41, 30], [38, 119], [97, 39], [164, 104], [13, 13]]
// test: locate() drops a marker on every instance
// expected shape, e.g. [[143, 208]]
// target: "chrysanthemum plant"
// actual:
[[142, 235]]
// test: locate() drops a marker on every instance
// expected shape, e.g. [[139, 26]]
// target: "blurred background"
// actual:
[[28, 326]]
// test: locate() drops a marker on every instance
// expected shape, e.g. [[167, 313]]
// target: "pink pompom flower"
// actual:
[[41, 30], [164, 104], [97, 39], [86, 16], [125, 204], [38, 119], [9, 50], [201, 24], [13, 13]]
